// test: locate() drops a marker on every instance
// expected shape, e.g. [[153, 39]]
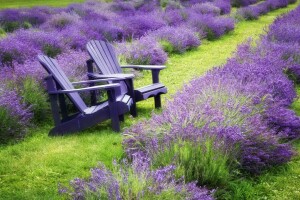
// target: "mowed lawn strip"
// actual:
[[33, 168], [31, 3]]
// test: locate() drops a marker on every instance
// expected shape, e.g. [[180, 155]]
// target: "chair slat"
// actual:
[[114, 57], [93, 51], [104, 58], [109, 56], [60, 77]]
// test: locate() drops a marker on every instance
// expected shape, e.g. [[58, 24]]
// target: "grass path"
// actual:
[[30, 3], [32, 168]]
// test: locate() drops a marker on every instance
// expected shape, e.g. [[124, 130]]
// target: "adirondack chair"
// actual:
[[104, 57], [59, 87]]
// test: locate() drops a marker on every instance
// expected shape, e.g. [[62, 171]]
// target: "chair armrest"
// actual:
[[116, 77], [95, 81], [155, 69], [99, 87], [146, 67]]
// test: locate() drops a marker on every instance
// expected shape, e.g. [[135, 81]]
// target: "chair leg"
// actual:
[[115, 122], [133, 110], [157, 101], [121, 118]]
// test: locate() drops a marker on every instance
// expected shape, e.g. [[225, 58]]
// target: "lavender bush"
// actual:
[[243, 104], [136, 26], [176, 39], [206, 8], [134, 181], [14, 116], [146, 51], [223, 5], [209, 26], [248, 13], [252, 12]]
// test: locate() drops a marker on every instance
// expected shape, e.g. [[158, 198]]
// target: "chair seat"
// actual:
[[125, 99], [149, 91]]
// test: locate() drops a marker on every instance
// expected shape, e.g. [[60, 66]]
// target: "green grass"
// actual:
[[32, 168], [30, 3]]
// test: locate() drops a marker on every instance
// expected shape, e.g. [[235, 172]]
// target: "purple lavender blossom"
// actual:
[[136, 26], [211, 27], [143, 51], [180, 38], [15, 116], [174, 17], [248, 13], [206, 8], [61, 21], [224, 6], [104, 184]]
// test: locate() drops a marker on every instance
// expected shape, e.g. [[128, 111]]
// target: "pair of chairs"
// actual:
[[122, 96]]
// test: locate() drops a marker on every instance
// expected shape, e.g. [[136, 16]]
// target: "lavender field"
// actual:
[[233, 122]]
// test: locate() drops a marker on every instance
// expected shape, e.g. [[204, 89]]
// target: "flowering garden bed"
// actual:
[[257, 111], [234, 120]]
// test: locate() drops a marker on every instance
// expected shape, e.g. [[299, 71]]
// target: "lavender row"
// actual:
[[239, 110], [253, 12], [232, 120], [145, 35]]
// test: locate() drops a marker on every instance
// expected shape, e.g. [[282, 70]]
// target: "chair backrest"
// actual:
[[105, 58], [52, 67]]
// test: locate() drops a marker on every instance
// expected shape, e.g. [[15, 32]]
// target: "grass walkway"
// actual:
[[31, 3], [32, 168]]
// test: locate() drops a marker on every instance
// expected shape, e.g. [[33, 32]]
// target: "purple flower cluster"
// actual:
[[137, 25], [14, 116], [134, 181], [224, 6], [243, 104], [146, 50], [179, 38], [252, 12], [206, 8], [286, 29], [209, 26]]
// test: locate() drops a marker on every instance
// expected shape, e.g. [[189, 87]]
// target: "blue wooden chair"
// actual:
[[59, 87], [104, 57]]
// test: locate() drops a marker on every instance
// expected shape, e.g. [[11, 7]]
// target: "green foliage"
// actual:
[[167, 46], [11, 26], [50, 50], [2, 32], [27, 25], [9, 128], [33, 94], [137, 184], [31, 3], [201, 161]]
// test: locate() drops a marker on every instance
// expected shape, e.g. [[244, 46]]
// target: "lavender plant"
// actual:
[[248, 13], [206, 8], [223, 5], [176, 39], [14, 116], [243, 104], [61, 21], [209, 26], [145, 51], [134, 181], [136, 26]]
